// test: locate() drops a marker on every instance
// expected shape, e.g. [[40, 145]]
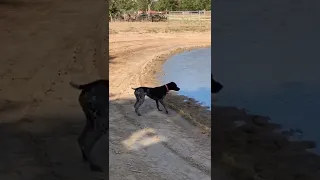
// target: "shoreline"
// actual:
[[188, 108], [238, 148], [248, 146], [239, 138]]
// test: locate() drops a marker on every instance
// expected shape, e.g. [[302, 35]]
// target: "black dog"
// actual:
[[156, 93], [94, 100], [215, 86]]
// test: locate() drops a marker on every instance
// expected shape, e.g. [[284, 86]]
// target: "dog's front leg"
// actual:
[[158, 105], [161, 101]]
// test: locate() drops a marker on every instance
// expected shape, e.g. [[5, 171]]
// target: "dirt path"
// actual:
[[155, 145], [44, 44]]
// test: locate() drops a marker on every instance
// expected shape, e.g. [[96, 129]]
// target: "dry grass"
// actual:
[[160, 27]]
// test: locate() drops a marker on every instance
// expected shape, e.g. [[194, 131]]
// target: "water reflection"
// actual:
[[191, 71]]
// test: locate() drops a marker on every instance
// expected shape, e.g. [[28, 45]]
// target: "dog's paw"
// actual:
[[139, 114], [95, 168], [159, 110], [167, 112]]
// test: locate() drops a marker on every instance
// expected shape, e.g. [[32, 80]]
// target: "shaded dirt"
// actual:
[[45, 44]]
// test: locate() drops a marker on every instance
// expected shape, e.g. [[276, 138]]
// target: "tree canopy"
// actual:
[[124, 6]]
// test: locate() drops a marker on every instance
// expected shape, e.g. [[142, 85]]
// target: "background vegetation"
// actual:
[[117, 7]]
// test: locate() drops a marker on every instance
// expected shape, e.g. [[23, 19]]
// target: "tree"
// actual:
[[117, 7], [143, 4], [170, 5], [193, 5]]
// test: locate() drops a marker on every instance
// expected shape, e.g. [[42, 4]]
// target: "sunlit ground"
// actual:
[[142, 138]]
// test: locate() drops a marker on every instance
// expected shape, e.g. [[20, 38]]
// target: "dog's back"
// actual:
[[100, 82]]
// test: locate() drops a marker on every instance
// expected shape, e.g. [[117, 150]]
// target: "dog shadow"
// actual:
[[47, 145]]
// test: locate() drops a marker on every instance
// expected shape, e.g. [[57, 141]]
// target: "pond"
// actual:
[[287, 91], [191, 71]]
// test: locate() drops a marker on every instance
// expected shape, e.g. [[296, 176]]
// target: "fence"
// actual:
[[190, 15]]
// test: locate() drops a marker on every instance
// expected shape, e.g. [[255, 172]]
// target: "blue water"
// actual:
[[191, 71]]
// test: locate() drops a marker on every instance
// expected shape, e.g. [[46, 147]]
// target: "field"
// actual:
[[159, 27]]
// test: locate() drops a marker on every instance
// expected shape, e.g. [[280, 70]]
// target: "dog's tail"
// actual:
[[76, 86]]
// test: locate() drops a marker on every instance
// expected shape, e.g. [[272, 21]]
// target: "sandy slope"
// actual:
[[43, 45], [155, 145]]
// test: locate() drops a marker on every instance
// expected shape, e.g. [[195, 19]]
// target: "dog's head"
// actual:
[[173, 86]]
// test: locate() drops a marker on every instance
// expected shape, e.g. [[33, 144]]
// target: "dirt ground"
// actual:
[[44, 45], [155, 145]]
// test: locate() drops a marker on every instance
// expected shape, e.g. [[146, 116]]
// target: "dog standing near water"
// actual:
[[156, 93]]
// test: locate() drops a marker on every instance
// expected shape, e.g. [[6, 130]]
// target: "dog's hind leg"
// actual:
[[139, 103], [88, 127], [91, 139], [161, 101], [157, 102], [140, 96], [81, 139], [137, 100], [101, 127]]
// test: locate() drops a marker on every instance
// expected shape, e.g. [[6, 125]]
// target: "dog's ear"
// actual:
[[173, 84]]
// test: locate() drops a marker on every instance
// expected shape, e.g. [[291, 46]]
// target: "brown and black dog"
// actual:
[[94, 100], [155, 93]]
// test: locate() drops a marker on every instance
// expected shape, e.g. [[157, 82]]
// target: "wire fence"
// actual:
[[189, 15]]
